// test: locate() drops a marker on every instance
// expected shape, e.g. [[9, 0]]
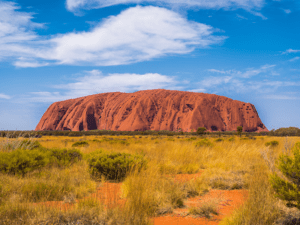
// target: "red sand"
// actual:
[[232, 200], [109, 194]]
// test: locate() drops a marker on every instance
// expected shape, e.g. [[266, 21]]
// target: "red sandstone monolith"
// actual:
[[151, 110]]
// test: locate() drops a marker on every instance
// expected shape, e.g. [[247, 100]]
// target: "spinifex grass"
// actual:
[[228, 164]]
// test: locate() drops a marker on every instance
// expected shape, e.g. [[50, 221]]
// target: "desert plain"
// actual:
[[188, 179]]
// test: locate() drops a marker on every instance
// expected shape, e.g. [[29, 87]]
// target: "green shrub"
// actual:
[[231, 139], [114, 166], [201, 130], [22, 161], [65, 157], [80, 144], [219, 140], [288, 189], [272, 143], [19, 162], [204, 143]]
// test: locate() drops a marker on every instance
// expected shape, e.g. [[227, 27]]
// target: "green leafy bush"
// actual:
[[65, 157], [80, 144], [20, 162], [288, 189], [114, 166], [272, 143], [204, 143]]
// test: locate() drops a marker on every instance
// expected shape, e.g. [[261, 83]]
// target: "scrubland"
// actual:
[[225, 163]]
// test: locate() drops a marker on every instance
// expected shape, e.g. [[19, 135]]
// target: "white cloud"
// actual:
[[136, 34], [24, 63], [17, 37], [249, 5], [198, 90], [253, 72], [294, 59], [287, 11], [95, 82], [241, 17], [290, 51], [281, 97], [4, 96], [250, 72], [240, 82]]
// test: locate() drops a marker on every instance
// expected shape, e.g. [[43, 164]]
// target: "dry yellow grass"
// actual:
[[241, 163]]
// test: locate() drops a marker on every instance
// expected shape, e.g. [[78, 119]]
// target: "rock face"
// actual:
[[151, 110]]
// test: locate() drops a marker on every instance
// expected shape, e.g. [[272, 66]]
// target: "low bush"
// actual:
[[20, 162], [80, 144], [204, 143], [287, 187], [113, 166], [272, 143], [65, 157], [219, 140], [231, 139]]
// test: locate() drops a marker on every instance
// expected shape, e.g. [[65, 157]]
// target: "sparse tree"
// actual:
[[201, 130], [239, 130]]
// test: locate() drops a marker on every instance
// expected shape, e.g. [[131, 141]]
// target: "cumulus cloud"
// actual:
[[136, 34], [249, 5], [3, 96], [94, 82]]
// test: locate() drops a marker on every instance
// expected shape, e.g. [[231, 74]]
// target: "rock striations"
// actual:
[[151, 110]]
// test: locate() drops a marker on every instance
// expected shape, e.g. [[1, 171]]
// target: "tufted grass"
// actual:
[[233, 163]]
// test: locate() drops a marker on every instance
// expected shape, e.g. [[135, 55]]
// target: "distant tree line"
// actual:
[[291, 131]]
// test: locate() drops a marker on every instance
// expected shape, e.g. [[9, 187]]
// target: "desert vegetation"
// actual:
[[39, 169]]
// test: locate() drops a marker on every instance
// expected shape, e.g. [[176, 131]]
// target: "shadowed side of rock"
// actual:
[[151, 110]]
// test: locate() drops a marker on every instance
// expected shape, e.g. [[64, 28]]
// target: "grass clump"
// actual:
[[150, 193], [204, 143], [261, 207], [206, 209], [19, 143], [272, 143], [80, 144], [231, 139], [64, 157], [113, 166], [219, 140], [49, 184]]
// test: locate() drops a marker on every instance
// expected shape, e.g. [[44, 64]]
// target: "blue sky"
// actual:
[[247, 50]]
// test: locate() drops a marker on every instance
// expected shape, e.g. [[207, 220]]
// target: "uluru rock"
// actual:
[[151, 110]]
